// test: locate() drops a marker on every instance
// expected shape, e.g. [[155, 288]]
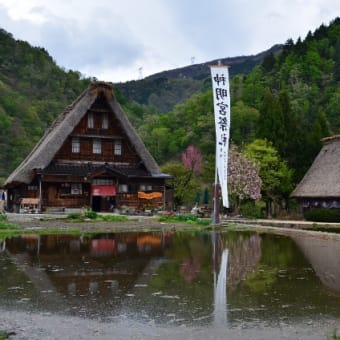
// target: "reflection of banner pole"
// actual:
[[221, 95], [220, 292]]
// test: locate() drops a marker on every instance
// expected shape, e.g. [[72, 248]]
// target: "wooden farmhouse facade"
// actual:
[[320, 187], [90, 157]]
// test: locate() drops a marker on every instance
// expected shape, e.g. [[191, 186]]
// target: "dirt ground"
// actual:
[[59, 222]]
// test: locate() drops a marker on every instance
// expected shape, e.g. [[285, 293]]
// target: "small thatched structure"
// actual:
[[320, 187], [90, 156]]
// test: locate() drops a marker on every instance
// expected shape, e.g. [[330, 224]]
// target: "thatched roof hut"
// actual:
[[322, 180], [45, 150]]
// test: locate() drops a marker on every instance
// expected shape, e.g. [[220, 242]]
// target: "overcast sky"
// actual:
[[122, 40]]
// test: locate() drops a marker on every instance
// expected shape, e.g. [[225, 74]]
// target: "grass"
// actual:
[[187, 219], [334, 336], [4, 224], [93, 216], [5, 335]]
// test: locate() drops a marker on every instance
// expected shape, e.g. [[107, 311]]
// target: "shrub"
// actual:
[[189, 219], [91, 214], [252, 209], [322, 215]]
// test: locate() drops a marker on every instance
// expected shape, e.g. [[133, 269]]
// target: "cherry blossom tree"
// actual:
[[192, 159], [243, 178]]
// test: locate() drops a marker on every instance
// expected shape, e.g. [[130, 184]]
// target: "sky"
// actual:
[[125, 40]]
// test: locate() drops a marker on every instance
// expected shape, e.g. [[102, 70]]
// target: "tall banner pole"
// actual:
[[221, 96], [216, 210]]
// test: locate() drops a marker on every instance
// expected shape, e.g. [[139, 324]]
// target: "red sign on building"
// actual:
[[103, 190]]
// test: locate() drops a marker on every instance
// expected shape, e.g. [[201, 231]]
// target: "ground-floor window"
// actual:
[[123, 188], [71, 189]]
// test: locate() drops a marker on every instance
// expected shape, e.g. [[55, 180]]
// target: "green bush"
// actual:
[[252, 209], [189, 219], [91, 214], [322, 215]]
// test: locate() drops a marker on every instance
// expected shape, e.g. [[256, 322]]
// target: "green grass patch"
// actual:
[[334, 335], [5, 335], [6, 225], [188, 219], [113, 218], [90, 215]]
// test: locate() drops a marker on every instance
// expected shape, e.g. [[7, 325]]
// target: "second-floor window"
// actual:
[[90, 120], [105, 121], [117, 148], [123, 188], [97, 146], [75, 145]]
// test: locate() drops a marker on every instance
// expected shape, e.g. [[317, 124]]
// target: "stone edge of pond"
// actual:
[[287, 227]]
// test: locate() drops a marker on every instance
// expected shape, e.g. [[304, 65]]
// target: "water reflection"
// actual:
[[221, 279], [324, 256]]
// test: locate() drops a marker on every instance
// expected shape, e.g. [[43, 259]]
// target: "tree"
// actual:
[[271, 122], [244, 120], [337, 61], [192, 159], [275, 174], [268, 62], [243, 178], [182, 183]]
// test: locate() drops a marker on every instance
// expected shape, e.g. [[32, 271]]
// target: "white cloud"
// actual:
[[112, 39]]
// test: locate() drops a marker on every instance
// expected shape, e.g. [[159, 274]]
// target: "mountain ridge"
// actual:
[[184, 81]]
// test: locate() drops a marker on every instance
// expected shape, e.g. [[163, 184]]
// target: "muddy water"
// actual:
[[170, 285]]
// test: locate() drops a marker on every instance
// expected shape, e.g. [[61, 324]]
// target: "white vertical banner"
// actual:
[[221, 94]]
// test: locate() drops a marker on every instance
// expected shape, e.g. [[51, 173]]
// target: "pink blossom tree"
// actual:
[[244, 181], [192, 159]]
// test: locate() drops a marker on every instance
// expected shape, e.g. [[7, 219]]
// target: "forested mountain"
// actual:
[[292, 100], [34, 89], [166, 89]]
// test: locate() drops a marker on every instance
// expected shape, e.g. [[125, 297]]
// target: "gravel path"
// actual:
[[34, 326]]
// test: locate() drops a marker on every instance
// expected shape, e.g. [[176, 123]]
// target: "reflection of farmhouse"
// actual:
[[320, 187], [73, 268], [90, 156], [324, 256]]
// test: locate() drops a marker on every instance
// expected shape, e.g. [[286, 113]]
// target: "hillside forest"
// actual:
[[281, 108]]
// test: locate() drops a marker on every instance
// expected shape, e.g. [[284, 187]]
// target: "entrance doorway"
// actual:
[[96, 203], [103, 203]]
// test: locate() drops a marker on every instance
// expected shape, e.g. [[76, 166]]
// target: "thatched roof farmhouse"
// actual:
[[320, 187], [90, 156]]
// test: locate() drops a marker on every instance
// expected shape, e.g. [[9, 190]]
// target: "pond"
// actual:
[[228, 282]]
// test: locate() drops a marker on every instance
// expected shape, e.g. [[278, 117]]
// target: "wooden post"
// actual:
[[216, 212], [40, 195]]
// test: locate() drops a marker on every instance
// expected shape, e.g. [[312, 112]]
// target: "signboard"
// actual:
[[103, 190]]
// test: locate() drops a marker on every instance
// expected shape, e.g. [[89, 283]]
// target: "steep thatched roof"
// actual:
[[323, 177], [44, 151]]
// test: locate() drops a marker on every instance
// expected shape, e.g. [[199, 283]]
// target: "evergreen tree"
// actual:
[[290, 129], [337, 61], [271, 122], [268, 62]]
